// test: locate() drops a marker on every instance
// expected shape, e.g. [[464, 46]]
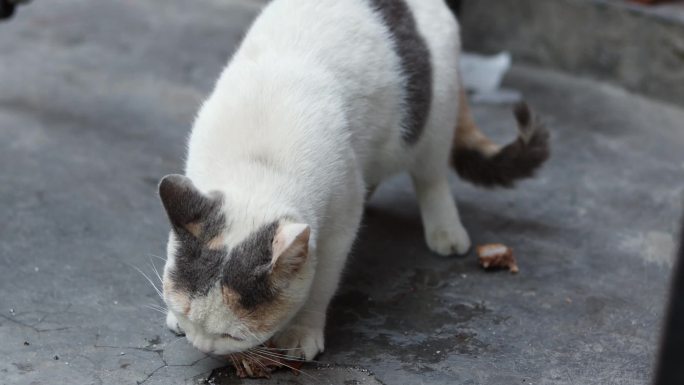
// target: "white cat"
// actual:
[[323, 100]]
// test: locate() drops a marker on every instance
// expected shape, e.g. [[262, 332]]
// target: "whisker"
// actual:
[[246, 329], [156, 272], [276, 349], [285, 356], [283, 364], [249, 359], [158, 257], [152, 307], [280, 356], [157, 308], [150, 281], [160, 306], [256, 361]]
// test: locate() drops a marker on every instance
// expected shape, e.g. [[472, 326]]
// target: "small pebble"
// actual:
[[26, 343], [122, 354], [56, 358], [439, 351], [11, 311]]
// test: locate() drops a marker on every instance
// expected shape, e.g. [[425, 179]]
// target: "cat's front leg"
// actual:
[[172, 324], [304, 336], [305, 333]]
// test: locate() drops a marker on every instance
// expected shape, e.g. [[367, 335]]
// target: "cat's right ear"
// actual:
[[186, 207]]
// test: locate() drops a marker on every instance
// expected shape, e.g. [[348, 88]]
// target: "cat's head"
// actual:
[[230, 288]]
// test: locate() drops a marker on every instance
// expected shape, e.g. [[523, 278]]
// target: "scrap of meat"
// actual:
[[260, 366], [497, 256]]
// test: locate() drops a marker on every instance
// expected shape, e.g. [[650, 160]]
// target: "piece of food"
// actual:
[[497, 256], [259, 365]]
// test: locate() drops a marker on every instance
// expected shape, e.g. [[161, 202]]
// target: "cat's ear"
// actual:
[[185, 205], [290, 248]]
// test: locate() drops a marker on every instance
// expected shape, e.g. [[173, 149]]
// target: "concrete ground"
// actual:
[[96, 99]]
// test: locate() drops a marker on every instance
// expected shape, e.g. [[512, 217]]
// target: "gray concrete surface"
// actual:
[[637, 47], [96, 99]]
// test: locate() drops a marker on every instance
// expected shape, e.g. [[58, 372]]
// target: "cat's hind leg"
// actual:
[[444, 232]]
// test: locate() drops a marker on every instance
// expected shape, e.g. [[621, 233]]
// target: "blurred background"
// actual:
[[97, 99]]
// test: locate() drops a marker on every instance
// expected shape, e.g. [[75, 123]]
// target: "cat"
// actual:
[[322, 101]]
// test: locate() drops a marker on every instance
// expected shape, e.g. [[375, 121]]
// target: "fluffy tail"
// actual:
[[479, 160]]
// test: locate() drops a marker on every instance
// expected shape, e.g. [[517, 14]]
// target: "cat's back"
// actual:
[[351, 35], [370, 48], [307, 65]]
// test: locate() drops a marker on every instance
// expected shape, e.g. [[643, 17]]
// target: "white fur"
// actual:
[[306, 117]]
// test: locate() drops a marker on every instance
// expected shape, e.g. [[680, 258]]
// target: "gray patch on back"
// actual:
[[416, 66]]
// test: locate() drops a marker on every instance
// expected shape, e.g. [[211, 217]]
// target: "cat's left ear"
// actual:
[[185, 205], [290, 248]]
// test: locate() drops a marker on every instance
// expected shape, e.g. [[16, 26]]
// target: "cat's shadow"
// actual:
[[393, 283], [392, 237]]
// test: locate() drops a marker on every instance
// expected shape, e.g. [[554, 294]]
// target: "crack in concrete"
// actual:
[[147, 348], [170, 366], [160, 354], [34, 326]]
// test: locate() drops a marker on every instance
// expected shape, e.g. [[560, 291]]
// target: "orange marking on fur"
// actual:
[[261, 319], [175, 297], [468, 135], [195, 228], [216, 243]]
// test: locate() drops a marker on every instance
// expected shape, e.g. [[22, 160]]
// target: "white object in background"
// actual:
[[482, 75]]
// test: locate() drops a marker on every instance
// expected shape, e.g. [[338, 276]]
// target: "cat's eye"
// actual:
[[232, 337]]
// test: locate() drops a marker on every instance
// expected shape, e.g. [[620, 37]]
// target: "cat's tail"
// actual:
[[484, 163]]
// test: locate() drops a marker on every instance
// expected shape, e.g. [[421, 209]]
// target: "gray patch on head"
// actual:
[[416, 65], [247, 270], [244, 269], [197, 267]]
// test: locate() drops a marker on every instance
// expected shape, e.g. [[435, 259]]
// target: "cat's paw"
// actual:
[[172, 324], [300, 341], [448, 240]]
